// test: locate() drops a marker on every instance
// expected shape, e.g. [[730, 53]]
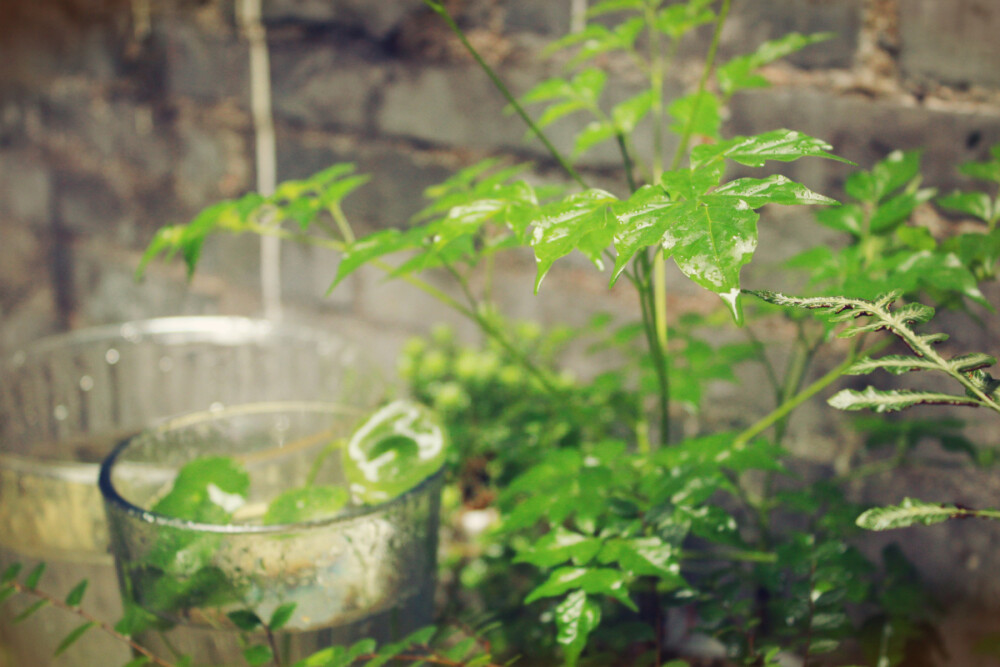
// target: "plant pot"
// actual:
[[340, 573], [66, 400]]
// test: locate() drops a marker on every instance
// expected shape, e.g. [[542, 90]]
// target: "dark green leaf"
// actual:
[[75, 596], [35, 576], [11, 573], [6, 592], [73, 636], [245, 620], [207, 490], [558, 546]]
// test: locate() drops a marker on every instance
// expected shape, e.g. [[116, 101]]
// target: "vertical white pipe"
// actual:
[[249, 12], [578, 15]]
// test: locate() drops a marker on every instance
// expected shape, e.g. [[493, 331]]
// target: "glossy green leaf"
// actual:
[[398, 447], [602, 581], [576, 617], [372, 247], [908, 513], [75, 596], [757, 192], [642, 221], [306, 504], [73, 636], [711, 241], [580, 222], [756, 151], [645, 556], [692, 183]]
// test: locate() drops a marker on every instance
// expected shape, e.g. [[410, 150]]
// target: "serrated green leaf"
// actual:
[[576, 617], [691, 183], [602, 581], [757, 192], [374, 246], [907, 513], [281, 615], [35, 576], [257, 655], [976, 204], [740, 72], [580, 222], [75, 596], [29, 611], [880, 400], [756, 151], [972, 361], [73, 636]]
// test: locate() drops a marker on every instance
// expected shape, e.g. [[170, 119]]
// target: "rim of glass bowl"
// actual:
[[113, 497]]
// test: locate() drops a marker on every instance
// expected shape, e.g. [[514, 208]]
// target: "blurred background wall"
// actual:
[[120, 116]]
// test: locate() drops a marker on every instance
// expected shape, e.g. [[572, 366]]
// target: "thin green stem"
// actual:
[[730, 555], [804, 395], [657, 349], [342, 222], [439, 9], [702, 84]]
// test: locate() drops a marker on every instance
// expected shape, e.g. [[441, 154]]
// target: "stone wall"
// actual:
[[120, 116]]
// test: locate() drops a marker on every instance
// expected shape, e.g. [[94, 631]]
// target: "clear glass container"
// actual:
[[66, 400], [358, 571]]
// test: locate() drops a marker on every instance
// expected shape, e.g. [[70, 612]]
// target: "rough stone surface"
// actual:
[[377, 18], [954, 42]]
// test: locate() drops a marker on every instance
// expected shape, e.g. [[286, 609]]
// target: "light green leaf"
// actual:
[[892, 400], [692, 183], [595, 133], [895, 171], [907, 513], [206, 489], [576, 617], [976, 204], [281, 616], [702, 112], [257, 655], [984, 171], [896, 210], [850, 218], [558, 546], [680, 18], [602, 581], [628, 114], [608, 6], [740, 72], [306, 504], [372, 247], [895, 364]]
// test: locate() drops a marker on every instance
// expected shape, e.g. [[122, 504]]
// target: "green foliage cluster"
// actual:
[[618, 532]]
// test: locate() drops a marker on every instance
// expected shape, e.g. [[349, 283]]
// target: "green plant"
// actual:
[[612, 517]]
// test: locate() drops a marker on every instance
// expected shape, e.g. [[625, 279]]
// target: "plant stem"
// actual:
[[105, 627], [802, 396], [702, 84], [439, 9], [657, 351]]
